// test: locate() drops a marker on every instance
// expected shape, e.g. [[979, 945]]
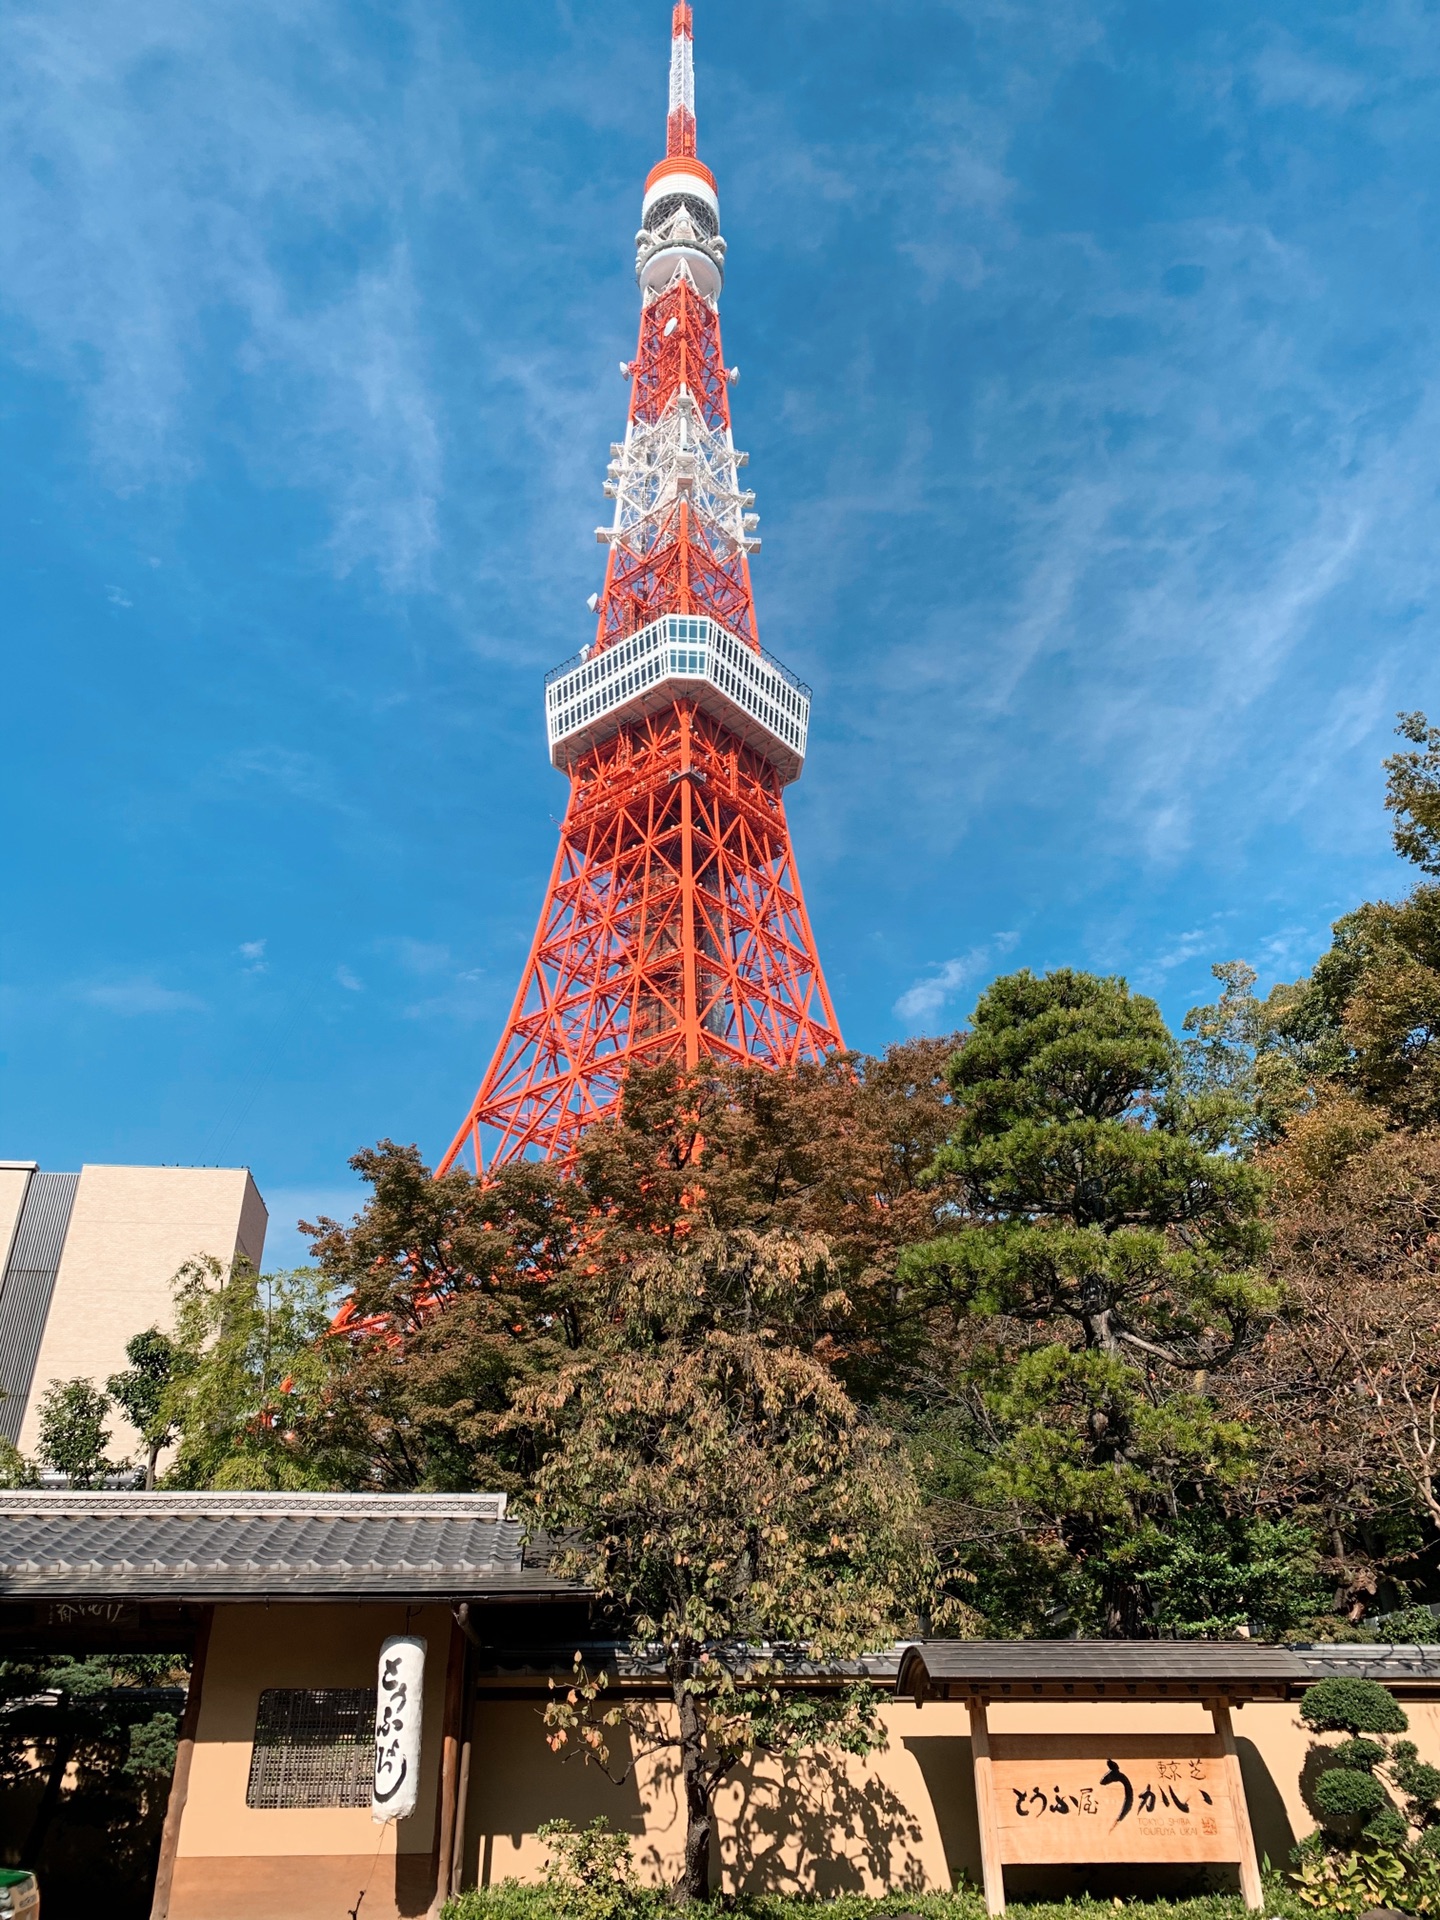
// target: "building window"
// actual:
[[314, 1747]]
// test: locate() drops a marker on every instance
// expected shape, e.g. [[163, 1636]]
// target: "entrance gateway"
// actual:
[[284, 1602], [1086, 1798]]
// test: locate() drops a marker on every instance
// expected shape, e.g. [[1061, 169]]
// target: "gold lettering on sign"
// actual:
[[1104, 1797]]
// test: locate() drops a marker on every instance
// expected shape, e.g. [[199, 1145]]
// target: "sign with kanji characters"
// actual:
[[92, 1613], [1111, 1797], [399, 1695]]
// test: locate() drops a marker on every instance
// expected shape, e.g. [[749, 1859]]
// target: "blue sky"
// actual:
[[1089, 358]]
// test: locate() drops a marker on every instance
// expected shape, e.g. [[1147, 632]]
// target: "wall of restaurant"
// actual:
[[235, 1862], [901, 1820]]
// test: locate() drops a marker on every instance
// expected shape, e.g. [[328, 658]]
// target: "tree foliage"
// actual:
[[1370, 1788], [1100, 1266], [73, 1435], [141, 1393], [1413, 793], [252, 1361], [1344, 1388], [102, 1746], [716, 1485]]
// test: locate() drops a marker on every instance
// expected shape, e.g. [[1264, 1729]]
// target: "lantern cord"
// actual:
[[354, 1911]]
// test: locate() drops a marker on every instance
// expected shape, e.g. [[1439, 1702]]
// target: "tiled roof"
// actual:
[[1143, 1668], [1396, 1665], [231, 1546]]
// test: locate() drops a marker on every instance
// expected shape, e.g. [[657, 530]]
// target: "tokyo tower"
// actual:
[[674, 927]]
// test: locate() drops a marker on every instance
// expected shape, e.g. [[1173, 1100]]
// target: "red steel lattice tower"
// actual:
[[674, 927]]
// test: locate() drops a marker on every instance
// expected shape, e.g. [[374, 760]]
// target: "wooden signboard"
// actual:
[[1109, 1797], [1093, 1799]]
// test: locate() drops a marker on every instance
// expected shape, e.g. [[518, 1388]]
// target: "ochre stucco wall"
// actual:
[[902, 1820], [237, 1862]]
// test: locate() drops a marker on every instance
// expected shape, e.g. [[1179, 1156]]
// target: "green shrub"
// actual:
[[508, 1900], [1353, 1883], [1366, 1838], [1416, 1778], [1389, 1828], [1363, 1755], [1411, 1626], [590, 1874], [1345, 1794], [1341, 1705]]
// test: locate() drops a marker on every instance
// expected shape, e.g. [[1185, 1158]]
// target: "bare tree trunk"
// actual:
[[699, 1821]]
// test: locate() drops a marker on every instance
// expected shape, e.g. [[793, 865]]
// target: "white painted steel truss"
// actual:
[[759, 700], [679, 457]]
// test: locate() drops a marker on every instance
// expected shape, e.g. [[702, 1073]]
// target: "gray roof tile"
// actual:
[[239, 1545]]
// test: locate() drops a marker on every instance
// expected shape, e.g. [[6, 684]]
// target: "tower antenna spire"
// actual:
[[680, 128], [674, 928]]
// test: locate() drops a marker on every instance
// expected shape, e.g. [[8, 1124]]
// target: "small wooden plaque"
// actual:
[[1093, 1798], [92, 1613]]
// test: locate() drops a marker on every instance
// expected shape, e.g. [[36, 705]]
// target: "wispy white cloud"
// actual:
[[925, 999], [171, 167], [139, 996], [423, 957], [1157, 511], [467, 998], [293, 772]]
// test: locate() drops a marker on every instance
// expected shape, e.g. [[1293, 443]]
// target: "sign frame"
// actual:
[[999, 1846]]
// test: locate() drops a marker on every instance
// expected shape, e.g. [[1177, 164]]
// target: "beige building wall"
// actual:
[[131, 1229], [14, 1179], [291, 1863], [901, 1821]]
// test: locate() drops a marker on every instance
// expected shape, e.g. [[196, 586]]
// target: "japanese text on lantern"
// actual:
[[1111, 1797]]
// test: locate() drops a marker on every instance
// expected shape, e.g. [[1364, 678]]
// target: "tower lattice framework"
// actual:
[[674, 927]]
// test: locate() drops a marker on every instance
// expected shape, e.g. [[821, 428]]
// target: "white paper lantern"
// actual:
[[399, 1690]]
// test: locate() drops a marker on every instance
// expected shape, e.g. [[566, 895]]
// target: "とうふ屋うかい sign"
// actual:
[[1102, 1797]]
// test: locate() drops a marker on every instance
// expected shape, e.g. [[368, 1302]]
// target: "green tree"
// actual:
[[1368, 1016], [1101, 1267], [722, 1493], [460, 1292], [1413, 793], [252, 1360], [104, 1748], [140, 1392], [73, 1435], [1259, 1054], [15, 1469]]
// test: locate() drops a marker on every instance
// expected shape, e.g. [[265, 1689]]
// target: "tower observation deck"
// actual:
[[673, 927]]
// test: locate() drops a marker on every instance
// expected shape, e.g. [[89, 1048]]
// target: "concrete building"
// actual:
[[88, 1259]]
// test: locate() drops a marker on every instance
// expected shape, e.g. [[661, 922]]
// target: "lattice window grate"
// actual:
[[314, 1747]]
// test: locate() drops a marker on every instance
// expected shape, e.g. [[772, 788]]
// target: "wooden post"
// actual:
[[1250, 1888], [180, 1779], [462, 1786], [991, 1870], [449, 1766]]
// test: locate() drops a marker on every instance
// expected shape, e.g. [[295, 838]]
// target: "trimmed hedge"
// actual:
[[510, 1901]]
